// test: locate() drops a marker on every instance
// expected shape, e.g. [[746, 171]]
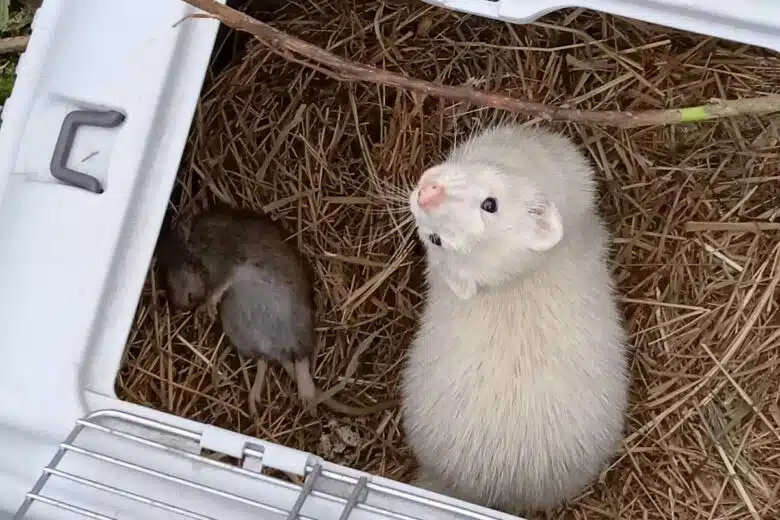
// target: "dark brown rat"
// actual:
[[236, 264]]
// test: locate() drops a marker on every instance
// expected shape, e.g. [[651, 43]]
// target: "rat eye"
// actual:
[[435, 239], [490, 205]]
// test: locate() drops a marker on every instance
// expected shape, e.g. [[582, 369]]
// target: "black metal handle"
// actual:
[[71, 123]]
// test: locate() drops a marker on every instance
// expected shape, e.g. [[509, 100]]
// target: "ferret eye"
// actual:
[[490, 205], [435, 239]]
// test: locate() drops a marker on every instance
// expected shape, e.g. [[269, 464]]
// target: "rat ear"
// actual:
[[172, 248], [464, 287], [547, 230], [183, 231]]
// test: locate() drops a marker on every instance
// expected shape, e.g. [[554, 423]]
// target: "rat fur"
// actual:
[[237, 264], [516, 384]]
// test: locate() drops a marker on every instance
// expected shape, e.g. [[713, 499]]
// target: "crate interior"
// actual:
[[332, 161]]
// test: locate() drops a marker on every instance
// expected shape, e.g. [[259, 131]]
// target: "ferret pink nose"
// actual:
[[430, 195]]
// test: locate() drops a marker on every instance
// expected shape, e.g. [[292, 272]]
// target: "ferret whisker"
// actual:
[[395, 208], [394, 199], [392, 191], [402, 229]]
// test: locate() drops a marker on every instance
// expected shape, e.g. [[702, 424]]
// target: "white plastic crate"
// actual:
[[89, 148]]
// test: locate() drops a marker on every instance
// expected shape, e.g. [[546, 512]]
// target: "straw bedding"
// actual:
[[329, 159]]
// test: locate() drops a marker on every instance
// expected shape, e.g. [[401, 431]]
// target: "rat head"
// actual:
[[184, 276], [185, 284], [482, 224]]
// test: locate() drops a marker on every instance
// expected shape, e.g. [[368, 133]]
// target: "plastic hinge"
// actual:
[[223, 441], [234, 445], [288, 460]]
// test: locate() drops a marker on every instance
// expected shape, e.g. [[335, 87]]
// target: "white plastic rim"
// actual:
[[755, 22]]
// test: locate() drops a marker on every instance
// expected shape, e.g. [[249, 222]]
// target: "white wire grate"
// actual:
[[118, 465]]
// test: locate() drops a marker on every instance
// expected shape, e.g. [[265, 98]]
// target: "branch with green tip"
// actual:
[[342, 69]]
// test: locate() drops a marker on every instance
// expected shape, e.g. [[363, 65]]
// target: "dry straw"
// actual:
[[692, 208], [344, 69]]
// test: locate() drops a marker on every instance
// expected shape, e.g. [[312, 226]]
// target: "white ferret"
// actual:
[[516, 384]]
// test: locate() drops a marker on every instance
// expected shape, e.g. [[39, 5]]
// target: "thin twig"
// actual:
[[13, 44], [743, 227], [347, 70]]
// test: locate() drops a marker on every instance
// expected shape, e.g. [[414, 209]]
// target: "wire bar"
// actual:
[[354, 497]]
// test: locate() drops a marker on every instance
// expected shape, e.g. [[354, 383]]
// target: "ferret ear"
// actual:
[[548, 228], [464, 287]]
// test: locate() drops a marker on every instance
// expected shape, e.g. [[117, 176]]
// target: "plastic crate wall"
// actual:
[[755, 22]]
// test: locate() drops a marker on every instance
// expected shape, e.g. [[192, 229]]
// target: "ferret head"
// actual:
[[482, 225]]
